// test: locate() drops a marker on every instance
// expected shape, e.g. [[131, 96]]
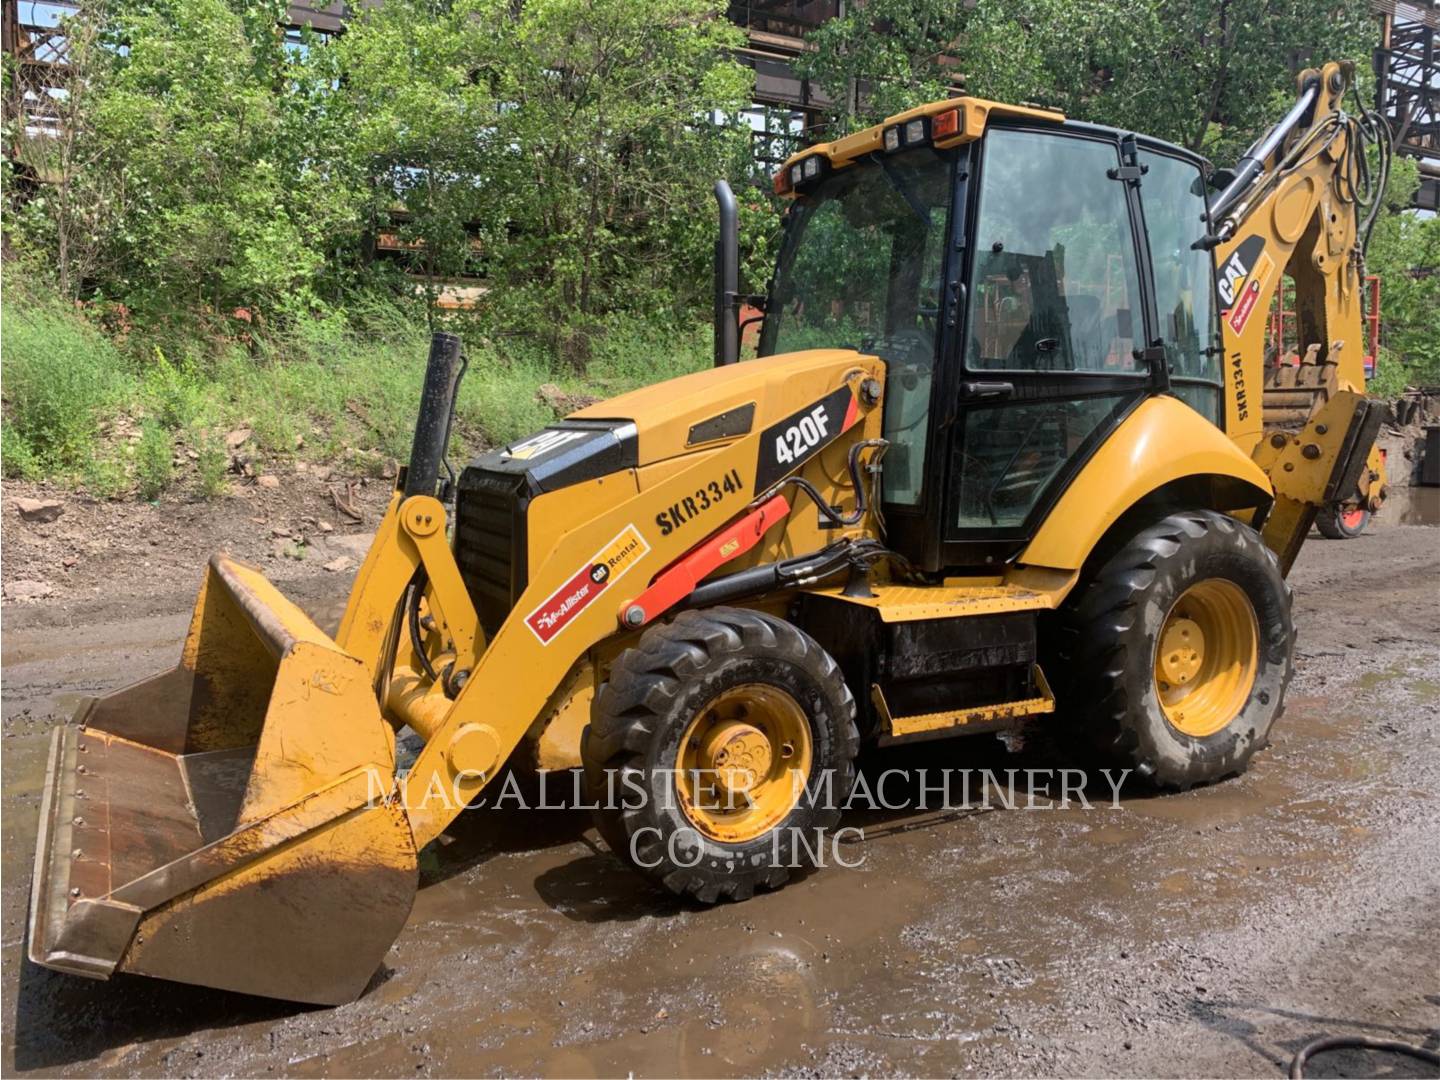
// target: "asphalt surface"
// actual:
[[1210, 933]]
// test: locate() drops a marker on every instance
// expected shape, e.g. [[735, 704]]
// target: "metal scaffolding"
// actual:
[[1407, 83], [34, 39]]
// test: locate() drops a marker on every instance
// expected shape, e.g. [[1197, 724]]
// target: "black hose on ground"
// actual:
[[1358, 1042]]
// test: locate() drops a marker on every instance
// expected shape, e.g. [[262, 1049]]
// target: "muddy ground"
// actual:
[[1210, 933]]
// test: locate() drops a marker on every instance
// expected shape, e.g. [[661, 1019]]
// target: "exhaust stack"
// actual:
[[727, 278]]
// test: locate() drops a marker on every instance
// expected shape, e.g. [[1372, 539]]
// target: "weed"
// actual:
[[153, 467], [212, 465], [1390, 378], [18, 460], [60, 375], [175, 393], [104, 476], [343, 381]]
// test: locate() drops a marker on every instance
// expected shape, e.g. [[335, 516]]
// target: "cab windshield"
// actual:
[[860, 268]]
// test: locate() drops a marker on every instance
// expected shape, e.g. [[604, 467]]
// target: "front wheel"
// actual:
[[719, 752], [1179, 650]]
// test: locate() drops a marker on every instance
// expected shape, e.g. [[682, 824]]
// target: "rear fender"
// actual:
[[1163, 442]]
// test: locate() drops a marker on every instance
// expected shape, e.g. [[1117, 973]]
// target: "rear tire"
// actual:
[[1177, 654], [695, 745], [1336, 523]]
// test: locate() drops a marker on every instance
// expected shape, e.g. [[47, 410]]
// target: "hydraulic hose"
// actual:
[[797, 572], [1355, 182], [1253, 162], [1359, 1042], [862, 501], [415, 591]]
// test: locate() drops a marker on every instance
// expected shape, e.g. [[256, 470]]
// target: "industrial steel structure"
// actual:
[[1407, 74], [35, 41]]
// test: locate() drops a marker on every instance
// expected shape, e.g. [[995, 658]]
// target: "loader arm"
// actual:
[[1298, 207], [567, 607]]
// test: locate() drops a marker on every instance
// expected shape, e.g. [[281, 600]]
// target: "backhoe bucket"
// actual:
[[233, 822]]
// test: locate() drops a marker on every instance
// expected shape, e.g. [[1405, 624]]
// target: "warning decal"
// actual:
[[606, 566]]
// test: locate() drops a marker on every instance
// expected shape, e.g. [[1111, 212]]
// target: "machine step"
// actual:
[[972, 718]]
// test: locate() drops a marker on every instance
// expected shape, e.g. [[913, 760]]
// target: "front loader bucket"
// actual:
[[233, 822]]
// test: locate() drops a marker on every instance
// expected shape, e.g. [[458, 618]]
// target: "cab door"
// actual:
[[1050, 347]]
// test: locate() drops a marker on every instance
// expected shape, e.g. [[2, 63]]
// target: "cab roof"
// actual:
[[971, 117], [972, 114]]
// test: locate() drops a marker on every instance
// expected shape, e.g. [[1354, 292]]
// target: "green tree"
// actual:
[[569, 140], [418, 80], [65, 218], [218, 133], [1185, 70], [1405, 252]]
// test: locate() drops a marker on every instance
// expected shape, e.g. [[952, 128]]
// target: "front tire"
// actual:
[[1179, 650], [719, 752]]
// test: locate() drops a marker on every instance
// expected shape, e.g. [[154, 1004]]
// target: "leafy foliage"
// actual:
[[1405, 252], [60, 376], [230, 192], [571, 136], [221, 192], [560, 148], [1171, 68], [153, 467]]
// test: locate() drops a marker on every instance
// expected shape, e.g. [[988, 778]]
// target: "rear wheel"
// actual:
[[1337, 523], [1179, 650], [719, 751]]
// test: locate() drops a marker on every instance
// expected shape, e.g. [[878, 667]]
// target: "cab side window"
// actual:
[[1055, 285], [1173, 196], [1055, 291]]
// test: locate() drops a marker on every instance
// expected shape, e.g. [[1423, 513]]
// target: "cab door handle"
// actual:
[[987, 390]]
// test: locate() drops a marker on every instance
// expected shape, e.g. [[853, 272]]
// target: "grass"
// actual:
[[153, 467], [60, 377], [112, 416]]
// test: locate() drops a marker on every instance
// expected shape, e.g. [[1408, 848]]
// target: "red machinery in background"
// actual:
[[1282, 335]]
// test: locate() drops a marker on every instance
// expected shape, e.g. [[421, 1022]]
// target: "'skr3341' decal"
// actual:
[[710, 494], [788, 444]]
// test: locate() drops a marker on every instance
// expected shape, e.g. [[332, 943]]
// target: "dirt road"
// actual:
[[1209, 933]]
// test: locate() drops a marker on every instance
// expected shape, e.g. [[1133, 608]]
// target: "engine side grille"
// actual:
[[490, 542]]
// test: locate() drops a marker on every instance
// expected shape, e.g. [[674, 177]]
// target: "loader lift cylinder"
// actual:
[[437, 413]]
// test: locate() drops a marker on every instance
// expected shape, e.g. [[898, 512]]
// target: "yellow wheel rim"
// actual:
[[1206, 657], [743, 762]]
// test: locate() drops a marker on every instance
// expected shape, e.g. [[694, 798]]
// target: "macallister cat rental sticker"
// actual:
[[606, 567]]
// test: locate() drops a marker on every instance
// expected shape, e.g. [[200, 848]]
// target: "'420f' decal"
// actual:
[[787, 445], [716, 491]]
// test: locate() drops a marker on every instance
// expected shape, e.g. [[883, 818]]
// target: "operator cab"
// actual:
[[1026, 289]]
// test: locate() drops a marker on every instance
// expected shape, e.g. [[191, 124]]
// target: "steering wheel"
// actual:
[[909, 360]]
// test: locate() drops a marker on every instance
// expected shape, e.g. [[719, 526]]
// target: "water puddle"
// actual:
[[1412, 506]]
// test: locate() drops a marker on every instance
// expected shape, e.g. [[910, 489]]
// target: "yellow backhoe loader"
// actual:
[[1011, 453]]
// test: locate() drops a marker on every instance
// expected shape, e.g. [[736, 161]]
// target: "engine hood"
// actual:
[[668, 419]]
